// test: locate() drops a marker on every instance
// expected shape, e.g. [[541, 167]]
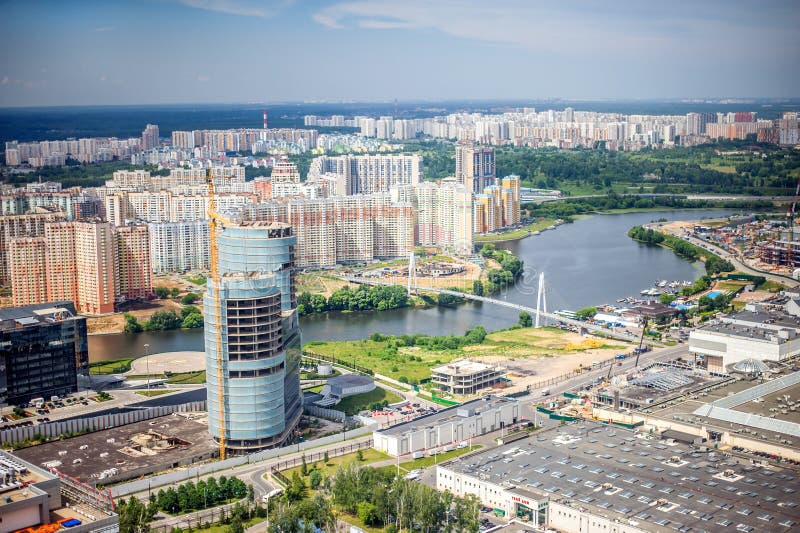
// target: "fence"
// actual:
[[65, 428], [328, 414], [275, 469], [308, 354], [171, 478]]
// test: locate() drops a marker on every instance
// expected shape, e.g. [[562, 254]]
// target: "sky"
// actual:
[[101, 52]]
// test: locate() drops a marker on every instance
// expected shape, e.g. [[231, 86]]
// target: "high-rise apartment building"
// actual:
[[150, 137], [27, 225], [179, 246], [442, 214], [285, 171], [27, 266], [475, 167], [259, 345], [95, 263], [133, 262], [92, 264], [367, 174]]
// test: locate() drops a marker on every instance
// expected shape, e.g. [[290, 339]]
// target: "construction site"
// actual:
[[128, 452]]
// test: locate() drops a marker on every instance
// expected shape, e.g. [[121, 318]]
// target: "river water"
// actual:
[[589, 262]]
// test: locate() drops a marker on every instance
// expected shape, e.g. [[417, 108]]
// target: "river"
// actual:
[[589, 262]]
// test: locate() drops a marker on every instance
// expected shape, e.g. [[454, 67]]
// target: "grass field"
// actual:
[[514, 343], [117, 366], [353, 404], [516, 233], [188, 378], [771, 286], [156, 392], [370, 455], [425, 462]]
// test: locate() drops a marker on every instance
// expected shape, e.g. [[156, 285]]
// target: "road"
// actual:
[[724, 254]]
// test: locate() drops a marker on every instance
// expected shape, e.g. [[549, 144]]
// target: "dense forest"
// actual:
[[576, 206]]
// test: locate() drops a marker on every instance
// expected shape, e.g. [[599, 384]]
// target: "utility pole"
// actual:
[[147, 366]]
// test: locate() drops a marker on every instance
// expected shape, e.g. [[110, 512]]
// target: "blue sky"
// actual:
[[172, 51]]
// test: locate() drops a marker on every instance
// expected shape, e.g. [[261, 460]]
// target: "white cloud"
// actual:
[[203, 78], [4, 81], [586, 28], [245, 8], [103, 29]]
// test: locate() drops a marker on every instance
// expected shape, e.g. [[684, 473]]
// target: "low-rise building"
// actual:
[[755, 333], [450, 426], [31, 497], [465, 377], [590, 478]]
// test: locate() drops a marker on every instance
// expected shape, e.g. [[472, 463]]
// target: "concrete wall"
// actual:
[[24, 513], [567, 519]]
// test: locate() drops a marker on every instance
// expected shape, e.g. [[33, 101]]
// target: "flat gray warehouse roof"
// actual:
[[478, 405], [663, 487]]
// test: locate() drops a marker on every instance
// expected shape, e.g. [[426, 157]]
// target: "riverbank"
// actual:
[[519, 233]]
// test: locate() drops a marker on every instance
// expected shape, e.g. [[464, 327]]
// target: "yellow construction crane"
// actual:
[[217, 318]]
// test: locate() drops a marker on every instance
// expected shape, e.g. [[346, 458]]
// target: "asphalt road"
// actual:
[[724, 254]]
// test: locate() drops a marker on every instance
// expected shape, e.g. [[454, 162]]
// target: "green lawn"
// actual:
[[188, 378], [197, 280], [354, 404], [771, 286], [117, 366], [442, 457], [516, 233], [514, 343], [156, 392], [371, 455], [226, 528]]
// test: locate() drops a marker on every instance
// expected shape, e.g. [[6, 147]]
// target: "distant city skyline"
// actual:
[[213, 51]]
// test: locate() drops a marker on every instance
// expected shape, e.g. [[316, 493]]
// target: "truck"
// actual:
[[37, 402], [417, 455], [545, 392]]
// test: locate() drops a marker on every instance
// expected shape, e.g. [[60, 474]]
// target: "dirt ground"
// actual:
[[462, 280], [318, 284], [534, 364], [141, 310]]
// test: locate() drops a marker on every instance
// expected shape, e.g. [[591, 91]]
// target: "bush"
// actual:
[[161, 292], [190, 298], [315, 479]]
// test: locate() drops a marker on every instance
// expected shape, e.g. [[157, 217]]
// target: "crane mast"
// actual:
[[217, 318], [790, 220]]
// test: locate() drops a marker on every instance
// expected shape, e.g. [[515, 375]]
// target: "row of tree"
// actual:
[[474, 335], [713, 263], [379, 498], [203, 495], [189, 318], [569, 207], [362, 298]]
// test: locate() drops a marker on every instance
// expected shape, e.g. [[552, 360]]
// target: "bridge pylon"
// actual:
[[541, 300], [412, 274]]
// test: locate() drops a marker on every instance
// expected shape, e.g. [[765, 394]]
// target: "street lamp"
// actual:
[[147, 366]]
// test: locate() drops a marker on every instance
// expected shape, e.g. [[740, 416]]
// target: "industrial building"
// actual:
[[465, 377], [42, 350], [255, 336], [31, 497], [449, 426], [759, 332], [590, 478]]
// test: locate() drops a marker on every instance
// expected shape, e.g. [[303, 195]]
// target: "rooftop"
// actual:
[[476, 406], [31, 315], [659, 485], [131, 450], [462, 368]]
